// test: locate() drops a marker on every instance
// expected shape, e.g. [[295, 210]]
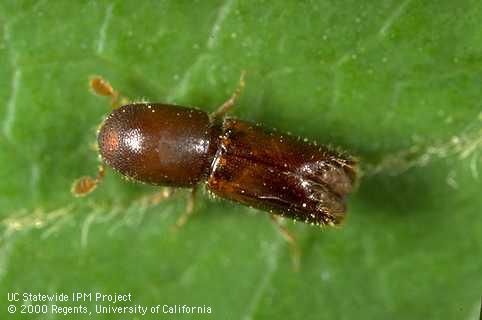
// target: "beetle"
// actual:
[[181, 147]]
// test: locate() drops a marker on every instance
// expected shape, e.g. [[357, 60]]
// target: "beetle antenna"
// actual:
[[86, 184]]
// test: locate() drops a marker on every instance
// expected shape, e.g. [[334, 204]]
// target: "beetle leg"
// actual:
[[155, 199], [85, 185], [102, 87], [189, 209], [291, 239], [225, 107]]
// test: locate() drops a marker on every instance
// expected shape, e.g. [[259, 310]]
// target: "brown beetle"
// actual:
[[176, 146]]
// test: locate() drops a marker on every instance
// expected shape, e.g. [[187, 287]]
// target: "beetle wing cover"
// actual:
[[276, 172]]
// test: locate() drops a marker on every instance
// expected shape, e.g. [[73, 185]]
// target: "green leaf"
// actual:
[[396, 83]]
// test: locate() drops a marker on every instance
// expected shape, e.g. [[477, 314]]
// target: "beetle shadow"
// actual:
[[400, 195], [144, 90]]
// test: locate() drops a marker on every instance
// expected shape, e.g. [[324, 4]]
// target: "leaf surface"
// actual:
[[396, 83]]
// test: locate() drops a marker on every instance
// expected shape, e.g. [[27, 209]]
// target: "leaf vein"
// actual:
[[103, 29]]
